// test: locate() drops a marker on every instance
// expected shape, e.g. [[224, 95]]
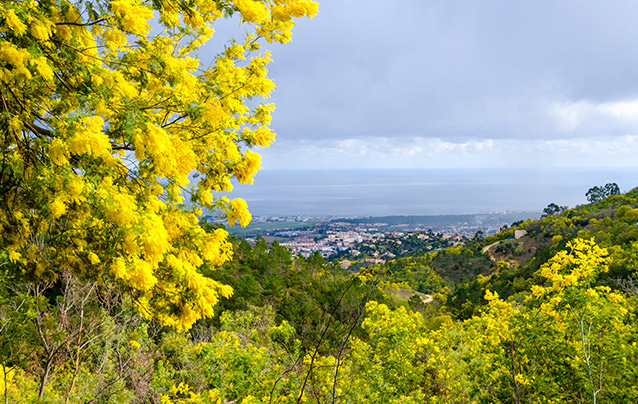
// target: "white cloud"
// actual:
[[418, 152], [589, 116], [627, 110], [569, 116]]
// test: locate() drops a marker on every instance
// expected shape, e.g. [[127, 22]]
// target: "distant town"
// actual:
[[372, 240]]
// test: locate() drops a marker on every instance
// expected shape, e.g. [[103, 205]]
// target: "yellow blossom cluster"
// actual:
[[109, 118], [577, 266]]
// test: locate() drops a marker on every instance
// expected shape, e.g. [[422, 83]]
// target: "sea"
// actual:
[[363, 193]]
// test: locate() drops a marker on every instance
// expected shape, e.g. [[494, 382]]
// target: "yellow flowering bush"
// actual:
[[107, 118], [569, 338]]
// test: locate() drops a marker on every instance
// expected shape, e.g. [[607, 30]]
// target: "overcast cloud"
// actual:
[[417, 83]]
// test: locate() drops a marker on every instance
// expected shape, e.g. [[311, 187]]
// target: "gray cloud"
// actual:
[[457, 70]]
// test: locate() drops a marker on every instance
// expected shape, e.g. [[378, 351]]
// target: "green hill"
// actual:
[[544, 315]]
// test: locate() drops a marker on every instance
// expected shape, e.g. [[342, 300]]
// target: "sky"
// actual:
[[448, 83]]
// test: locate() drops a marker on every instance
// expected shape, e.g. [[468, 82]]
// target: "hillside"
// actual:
[[546, 317]]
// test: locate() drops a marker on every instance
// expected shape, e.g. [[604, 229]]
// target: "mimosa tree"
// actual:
[[106, 114]]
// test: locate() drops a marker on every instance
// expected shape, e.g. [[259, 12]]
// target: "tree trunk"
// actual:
[[4, 373], [45, 378]]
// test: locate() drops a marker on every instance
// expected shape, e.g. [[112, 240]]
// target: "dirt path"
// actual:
[[486, 249], [425, 298], [509, 259], [407, 293]]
